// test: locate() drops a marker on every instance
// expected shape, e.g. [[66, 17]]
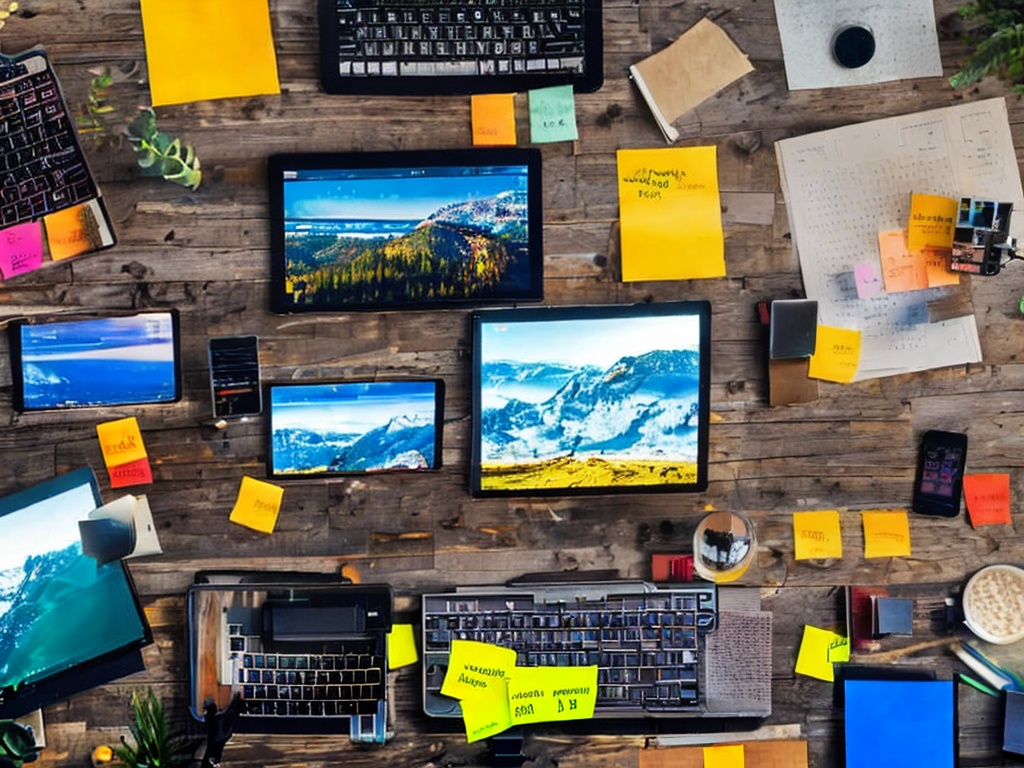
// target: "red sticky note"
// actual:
[[988, 499], [133, 473], [21, 249]]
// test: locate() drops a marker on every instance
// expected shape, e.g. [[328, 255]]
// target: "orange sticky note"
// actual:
[[931, 223], [886, 533], [258, 505], [836, 354], [724, 756], [936, 264], [902, 269], [988, 499], [817, 535], [215, 49], [494, 118], [121, 441], [72, 232]]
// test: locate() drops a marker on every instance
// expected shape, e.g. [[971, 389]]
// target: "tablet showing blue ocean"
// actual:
[[99, 361]]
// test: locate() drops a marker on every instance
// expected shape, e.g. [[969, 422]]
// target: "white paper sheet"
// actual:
[[906, 42], [844, 185]]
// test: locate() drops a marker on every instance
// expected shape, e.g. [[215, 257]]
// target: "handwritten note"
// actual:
[[819, 649], [724, 756], [836, 355], [886, 533], [476, 667], [902, 268], [988, 498], [401, 646], [227, 50], [932, 219], [486, 713], [258, 505], [546, 694], [494, 118], [553, 114], [670, 214], [124, 453], [72, 232], [936, 264], [817, 535], [867, 279], [21, 249]]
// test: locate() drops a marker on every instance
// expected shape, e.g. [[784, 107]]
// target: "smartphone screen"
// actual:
[[235, 376], [940, 473]]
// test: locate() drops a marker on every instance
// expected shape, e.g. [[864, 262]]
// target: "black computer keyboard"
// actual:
[[348, 681], [42, 169], [451, 45], [647, 647]]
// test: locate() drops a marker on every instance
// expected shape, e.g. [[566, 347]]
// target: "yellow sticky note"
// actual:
[[886, 533], [670, 214], [817, 535], [476, 667], [932, 219], [401, 646], [819, 649], [214, 49], [836, 354], [494, 118], [485, 714], [121, 441], [546, 694], [258, 505], [903, 269], [724, 756]]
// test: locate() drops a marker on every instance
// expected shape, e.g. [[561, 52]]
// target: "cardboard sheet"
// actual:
[[756, 754]]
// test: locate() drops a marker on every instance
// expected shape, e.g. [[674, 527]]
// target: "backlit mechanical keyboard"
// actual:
[[440, 46], [647, 647], [42, 169], [348, 681]]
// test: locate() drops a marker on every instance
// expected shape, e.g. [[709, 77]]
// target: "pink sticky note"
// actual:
[[867, 279], [21, 249]]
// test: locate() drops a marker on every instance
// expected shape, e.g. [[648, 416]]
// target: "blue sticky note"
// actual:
[[909, 723], [553, 114]]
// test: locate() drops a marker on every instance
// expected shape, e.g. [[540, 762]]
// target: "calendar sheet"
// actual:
[[844, 186]]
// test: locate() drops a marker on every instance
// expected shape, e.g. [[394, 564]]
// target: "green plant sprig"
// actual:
[[155, 746], [161, 155]]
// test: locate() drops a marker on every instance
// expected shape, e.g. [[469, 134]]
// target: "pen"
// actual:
[[977, 684], [990, 676], [1014, 678]]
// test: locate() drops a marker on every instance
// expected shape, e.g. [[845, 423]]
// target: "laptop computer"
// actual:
[[667, 651], [305, 654], [471, 46]]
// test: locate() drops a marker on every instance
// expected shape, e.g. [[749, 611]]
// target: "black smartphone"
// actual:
[[235, 376], [940, 473]]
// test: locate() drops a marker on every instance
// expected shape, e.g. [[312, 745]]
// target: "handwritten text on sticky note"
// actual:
[[494, 118], [475, 667], [258, 505], [121, 441], [553, 114], [486, 713], [817, 535], [819, 649], [546, 694], [21, 249], [932, 219], [988, 498], [886, 533], [836, 354], [902, 268]]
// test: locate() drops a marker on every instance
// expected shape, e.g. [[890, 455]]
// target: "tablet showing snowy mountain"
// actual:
[[352, 427], [394, 230], [596, 399]]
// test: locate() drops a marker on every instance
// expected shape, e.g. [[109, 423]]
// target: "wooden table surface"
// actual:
[[206, 252]]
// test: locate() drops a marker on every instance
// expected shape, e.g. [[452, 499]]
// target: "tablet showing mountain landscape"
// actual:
[[393, 230], [78, 362], [339, 428], [598, 399]]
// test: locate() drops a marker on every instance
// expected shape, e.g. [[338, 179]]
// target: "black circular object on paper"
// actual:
[[853, 46]]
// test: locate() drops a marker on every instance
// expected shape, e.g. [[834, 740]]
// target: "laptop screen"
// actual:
[[392, 230], [65, 622]]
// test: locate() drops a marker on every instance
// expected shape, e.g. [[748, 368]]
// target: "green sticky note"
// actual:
[[401, 646], [819, 649], [553, 114]]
